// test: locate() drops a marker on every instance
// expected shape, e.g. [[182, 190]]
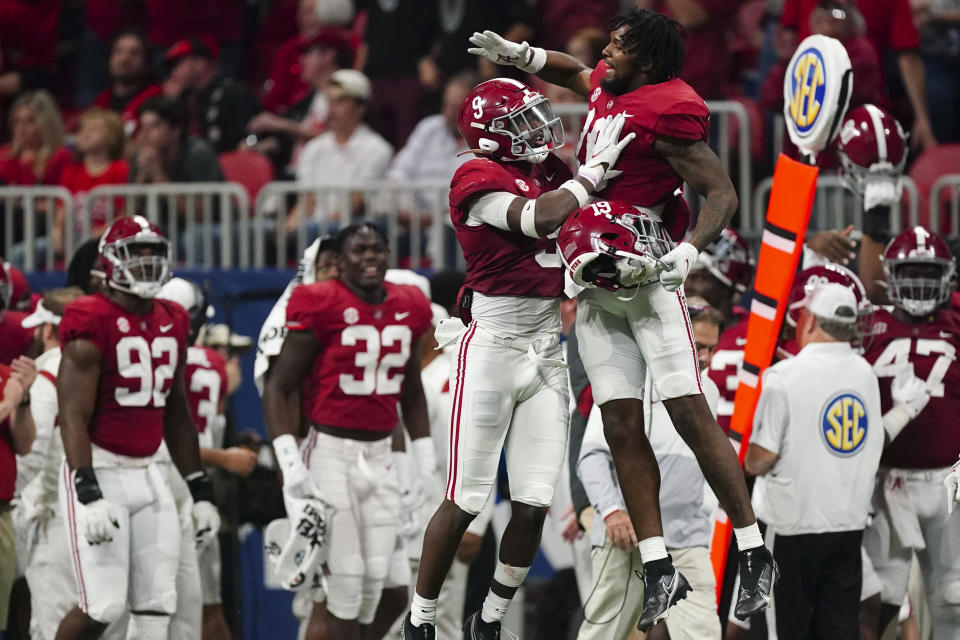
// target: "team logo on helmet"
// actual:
[[844, 424]]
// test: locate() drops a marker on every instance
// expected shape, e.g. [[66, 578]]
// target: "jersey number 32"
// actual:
[[376, 378]]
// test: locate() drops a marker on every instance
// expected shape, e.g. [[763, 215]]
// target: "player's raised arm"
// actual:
[[555, 67], [77, 383]]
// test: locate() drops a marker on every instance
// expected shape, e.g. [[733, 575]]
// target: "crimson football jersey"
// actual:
[[15, 341], [356, 379], [140, 355], [205, 377], [669, 109], [932, 439], [724, 366], [500, 262], [8, 461]]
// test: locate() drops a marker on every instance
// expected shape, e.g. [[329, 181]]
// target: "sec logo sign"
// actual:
[[808, 81], [844, 424]]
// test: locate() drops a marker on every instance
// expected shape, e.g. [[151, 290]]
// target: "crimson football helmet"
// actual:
[[601, 239], [919, 268], [135, 256], [510, 121], [729, 259], [807, 281], [871, 145]]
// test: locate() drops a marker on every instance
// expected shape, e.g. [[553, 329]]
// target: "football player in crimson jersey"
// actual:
[[914, 354], [205, 380], [121, 393], [638, 78], [14, 339], [505, 205], [357, 340]]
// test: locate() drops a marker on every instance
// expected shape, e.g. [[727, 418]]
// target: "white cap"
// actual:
[[41, 315], [351, 82], [833, 301], [181, 291]]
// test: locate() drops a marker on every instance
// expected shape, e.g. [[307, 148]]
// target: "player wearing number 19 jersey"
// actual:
[[121, 392], [354, 343], [914, 354]]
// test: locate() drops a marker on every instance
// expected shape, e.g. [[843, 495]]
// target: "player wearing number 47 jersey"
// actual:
[[354, 342], [121, 393], [914, 354]]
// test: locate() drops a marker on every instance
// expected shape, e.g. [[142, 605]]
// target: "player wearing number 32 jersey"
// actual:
[[509, 386], [353, 346], [121, 393]]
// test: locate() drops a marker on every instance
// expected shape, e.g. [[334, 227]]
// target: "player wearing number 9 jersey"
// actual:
[[121, 392], [505, 205], [353, 345], [914, 354]]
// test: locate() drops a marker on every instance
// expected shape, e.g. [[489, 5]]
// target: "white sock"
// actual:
[[494, 608], [748, 537], [423, 610], [652, 549]]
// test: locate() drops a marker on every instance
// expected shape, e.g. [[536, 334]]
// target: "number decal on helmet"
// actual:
[[477, 107]]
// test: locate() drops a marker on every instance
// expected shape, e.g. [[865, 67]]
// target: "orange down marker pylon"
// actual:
[[791, 200]]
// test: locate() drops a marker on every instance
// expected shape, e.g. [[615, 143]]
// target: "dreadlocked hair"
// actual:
[[655, 39]]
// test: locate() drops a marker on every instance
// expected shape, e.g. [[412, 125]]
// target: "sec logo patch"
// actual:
[[844, 424], [807, 88]]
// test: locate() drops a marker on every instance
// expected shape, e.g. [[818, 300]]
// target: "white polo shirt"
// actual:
[[820, 411]]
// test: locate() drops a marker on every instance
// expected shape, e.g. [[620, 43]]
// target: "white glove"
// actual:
[[97, 520], [493, 47], [296, 479], [206, 523], [909, 391], [603, 153], [591, 141], [677, 264], [952, 483]]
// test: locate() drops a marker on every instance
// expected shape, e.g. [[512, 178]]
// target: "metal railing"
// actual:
[[951, 184], [721, 111], [835, 207], [414, 214], [22, 209], [208, 223]]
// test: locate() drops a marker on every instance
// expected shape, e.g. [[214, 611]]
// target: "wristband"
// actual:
[[536, 62], [288, 454], [590, 175], [528, 219], [86, 485], [578, 190], [201, 487], [425, 454]]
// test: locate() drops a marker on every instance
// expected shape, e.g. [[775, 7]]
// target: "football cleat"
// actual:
[[425, 631], [476, 629], [758, 575], [663, 587]]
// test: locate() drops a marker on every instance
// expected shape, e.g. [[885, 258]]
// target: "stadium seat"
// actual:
[[930, 166], [249, 168]]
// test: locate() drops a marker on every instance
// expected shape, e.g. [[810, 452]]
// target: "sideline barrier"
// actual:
[[20, 208], [951, 184]]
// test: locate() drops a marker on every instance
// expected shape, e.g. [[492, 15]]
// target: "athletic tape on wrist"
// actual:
[[538, 58], [288, 454], [588, 174], [528, 219], [578, 190]]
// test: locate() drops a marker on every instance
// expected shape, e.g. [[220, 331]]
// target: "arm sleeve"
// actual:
[[597, 474], [772, 415], [491, 208]]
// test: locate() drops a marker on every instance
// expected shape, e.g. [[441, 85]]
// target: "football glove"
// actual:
[[306, 547], [603, 149], [952, 483], [493, 47], [909, 391], [676, 265], [98, 520], [206, 523]]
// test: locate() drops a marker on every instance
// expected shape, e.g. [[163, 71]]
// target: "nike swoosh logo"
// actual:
[[550, 177], [741, 341], [166, 327], [400, 315], [945, 335]]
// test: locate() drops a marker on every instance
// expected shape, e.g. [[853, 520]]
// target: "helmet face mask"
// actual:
[[919, 269], [135, 257], [534, 130]]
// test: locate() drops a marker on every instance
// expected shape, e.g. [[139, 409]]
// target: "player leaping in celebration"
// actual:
[[354, 342], [508, 389], [638, 77], [121, 392]]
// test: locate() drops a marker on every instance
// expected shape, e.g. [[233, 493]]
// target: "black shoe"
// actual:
[[663, 587], [425, 631], [758, 575], [476, 629]]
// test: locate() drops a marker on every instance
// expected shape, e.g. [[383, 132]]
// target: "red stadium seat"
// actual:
[[250, 168], [932, 164]]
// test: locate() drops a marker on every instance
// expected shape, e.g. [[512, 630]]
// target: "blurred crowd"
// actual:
[[329, 91]]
